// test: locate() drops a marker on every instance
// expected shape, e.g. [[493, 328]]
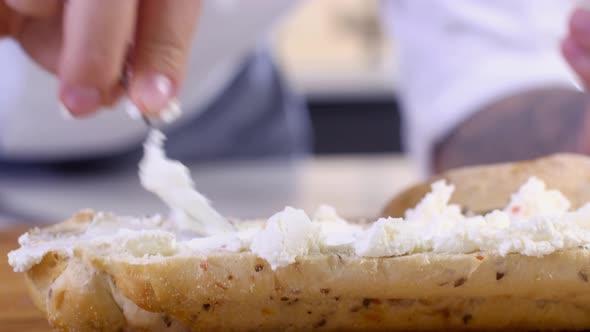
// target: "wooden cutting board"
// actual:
[[17, 312]]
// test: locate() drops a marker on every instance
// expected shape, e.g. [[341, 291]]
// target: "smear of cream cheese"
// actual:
[[106, 231], [536, 222], [171, 181], [335, 233]]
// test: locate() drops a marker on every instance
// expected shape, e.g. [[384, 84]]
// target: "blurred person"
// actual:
[[484, 81], [481, 81]]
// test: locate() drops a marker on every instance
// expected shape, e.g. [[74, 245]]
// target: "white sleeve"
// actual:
[[456, 56], [32, 128]]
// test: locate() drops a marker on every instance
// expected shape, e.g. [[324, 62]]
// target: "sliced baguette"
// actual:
[[96, 289], [106, 290]]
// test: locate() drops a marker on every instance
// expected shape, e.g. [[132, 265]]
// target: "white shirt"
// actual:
[[456, 56]]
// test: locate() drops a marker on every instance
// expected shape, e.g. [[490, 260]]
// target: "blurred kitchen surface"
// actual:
[[358, 187], [336, 54]]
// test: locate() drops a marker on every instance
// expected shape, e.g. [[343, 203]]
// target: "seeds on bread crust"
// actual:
[[467, 318], [459, 282]]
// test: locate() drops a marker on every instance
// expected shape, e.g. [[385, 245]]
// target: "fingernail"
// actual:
[[154, 92], [581, 20], [80, 100]]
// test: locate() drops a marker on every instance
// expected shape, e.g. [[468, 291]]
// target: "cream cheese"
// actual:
[[335, 233], [533, 199], [537, 221], [31, 252], [171, 181], [288, 234], [433, 226], [388, 237], [168, 115], [133, 236]]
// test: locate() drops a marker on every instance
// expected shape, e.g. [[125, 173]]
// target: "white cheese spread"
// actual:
[[171, 181], [288, 234], [167, 115], [536, 222]]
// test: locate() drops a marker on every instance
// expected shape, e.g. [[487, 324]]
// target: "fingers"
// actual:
[[90, 52], [42, 40], [10, 21], [579, 27], [160, 55], [96, 39], [578, 59], [36, 8], [576, 46]]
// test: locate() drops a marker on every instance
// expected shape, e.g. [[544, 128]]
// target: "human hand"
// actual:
[[576, 46], [87, 44]]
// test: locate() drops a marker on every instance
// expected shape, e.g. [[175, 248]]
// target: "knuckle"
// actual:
[[100, 67], [165, 54]]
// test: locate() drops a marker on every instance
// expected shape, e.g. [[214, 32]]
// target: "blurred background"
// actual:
[[335, 57], [340, 56], [303, 103]]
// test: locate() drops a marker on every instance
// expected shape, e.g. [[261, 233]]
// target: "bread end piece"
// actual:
[[481, 189], [76, 296]]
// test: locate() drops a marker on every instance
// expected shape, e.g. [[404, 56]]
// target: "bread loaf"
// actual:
[[526, 267], [98, 290]]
